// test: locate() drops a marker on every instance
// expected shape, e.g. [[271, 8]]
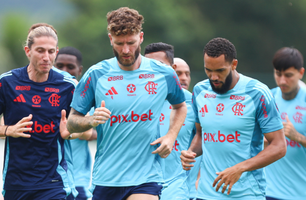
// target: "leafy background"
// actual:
[[256, 28]]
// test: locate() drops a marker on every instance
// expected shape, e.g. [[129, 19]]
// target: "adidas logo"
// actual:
[[204, 110], [111, 92], [20, 98]]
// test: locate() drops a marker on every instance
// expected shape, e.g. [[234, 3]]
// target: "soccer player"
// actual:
[[286, 178], [174, 176], [127, 92], [34, 100], [233, 112], [69, 59], [183, 72]]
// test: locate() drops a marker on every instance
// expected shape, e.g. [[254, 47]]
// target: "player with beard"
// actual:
[[233, 113], [128, 92]]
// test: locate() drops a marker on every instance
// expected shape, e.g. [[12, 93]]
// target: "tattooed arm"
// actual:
[[77, 122]]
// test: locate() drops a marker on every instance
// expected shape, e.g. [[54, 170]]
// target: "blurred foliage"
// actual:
[[15, 28], [256, 28]]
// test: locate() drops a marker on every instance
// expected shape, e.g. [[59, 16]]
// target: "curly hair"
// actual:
[[124, 21], [221, 46], [38, 30], [287, 57]]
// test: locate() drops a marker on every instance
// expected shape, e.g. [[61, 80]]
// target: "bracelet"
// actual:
[[5, 130]]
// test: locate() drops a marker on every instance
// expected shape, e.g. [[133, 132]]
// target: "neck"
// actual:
[[235, 79], [292, 94], [132, 67], [35, 76]]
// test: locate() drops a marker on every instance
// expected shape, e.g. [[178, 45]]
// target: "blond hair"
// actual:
[[38, 30]]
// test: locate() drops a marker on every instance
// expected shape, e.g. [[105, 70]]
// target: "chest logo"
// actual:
[[162, 117], [298, 117], [220, 107], [111, 92], [238, 109], [131, 88], [54, 100], [283, 115], [204, 110], [20, 98], [151, 87]]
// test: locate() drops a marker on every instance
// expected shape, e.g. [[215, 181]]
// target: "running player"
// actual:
[[183, 72], [233, 112], [69, 59], [34, 100], [127, 92], [286, 178], [175, 177]]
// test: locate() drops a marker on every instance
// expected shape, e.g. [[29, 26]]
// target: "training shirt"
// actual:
[[38, 162], [286, 178], [135, 98], [172, 166], [232, 131]]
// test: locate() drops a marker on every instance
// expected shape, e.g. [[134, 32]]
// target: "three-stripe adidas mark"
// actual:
[[20, 98], [111, 92], [204, 110]]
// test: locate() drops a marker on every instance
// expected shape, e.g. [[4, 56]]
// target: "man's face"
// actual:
[[42, 54], [183, 72], [160, 56], [288, 79], [126, 49], [68, 63], [219, 73]]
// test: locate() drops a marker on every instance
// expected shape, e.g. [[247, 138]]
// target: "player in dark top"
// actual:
[[34, 100]]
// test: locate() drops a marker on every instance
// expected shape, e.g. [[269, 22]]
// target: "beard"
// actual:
[[127, 62], [225, 86]]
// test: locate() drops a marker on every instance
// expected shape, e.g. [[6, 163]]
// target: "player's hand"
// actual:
[[289, 130], [17, 130], [63, 125], [187, 157], [166, 145], [228, 177], [101, 115]]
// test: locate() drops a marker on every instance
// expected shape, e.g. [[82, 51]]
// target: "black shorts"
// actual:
[[121, 193]]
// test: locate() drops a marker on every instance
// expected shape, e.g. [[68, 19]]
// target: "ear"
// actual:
[[27, 51], [174, 66], [141, 37], [302, 70], [234, 64], [110, 39], [80, 70]]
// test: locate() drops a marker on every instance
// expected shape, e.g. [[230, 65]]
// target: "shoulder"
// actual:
[[62, 72], [202, 85], [158, 66], [275, 90], [60, 78], [256, 88], [188, 95], [12, 74]]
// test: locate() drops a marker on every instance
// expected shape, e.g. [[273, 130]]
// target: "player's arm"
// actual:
[[274, 151], [195, 149], [78, 122], [177, 118]]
